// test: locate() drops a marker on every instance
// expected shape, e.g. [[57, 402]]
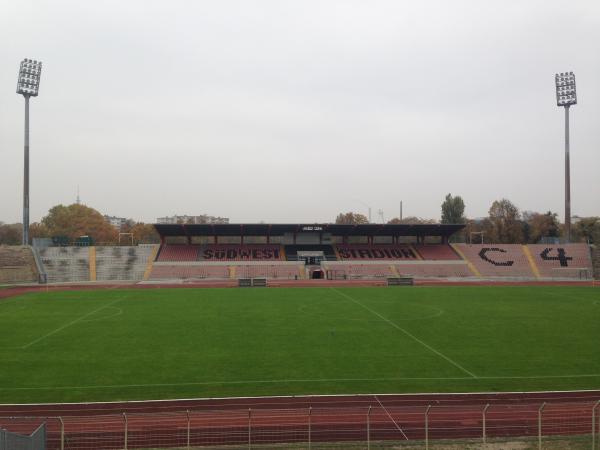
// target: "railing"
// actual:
[[561, 424]]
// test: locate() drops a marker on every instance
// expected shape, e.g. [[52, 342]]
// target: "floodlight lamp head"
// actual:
[[28, 83], [566, 94]]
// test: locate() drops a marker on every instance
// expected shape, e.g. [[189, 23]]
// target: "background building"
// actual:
[[116, 222], [203, 218]]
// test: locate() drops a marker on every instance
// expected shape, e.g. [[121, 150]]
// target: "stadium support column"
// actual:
[[26, 176], [567, 178]]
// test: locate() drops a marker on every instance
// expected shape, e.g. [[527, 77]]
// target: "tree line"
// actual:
[[73, 221], [504, 224]]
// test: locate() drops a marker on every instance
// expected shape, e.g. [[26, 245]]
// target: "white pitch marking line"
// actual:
[[391, 418], [73, 322], [316, 380], [410, 335], [118, 312]]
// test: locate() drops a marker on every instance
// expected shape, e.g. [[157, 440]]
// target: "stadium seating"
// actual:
[[360, 270], [419, 269], [234, 252], [436, 252], [165, 271], [375, 252], [188, 272], [447, 270], [220, 252], [65, 264], [562, 260], [497, 260], [122, 263], [275, 271], [178, 252], [17, 265]]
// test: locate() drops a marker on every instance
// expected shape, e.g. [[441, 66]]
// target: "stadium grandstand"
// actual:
[[229, 252], [369, 251]]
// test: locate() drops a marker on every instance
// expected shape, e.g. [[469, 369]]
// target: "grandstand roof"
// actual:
[[262, 229]]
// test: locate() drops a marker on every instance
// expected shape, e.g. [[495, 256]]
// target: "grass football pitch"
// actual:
[[186, 343]]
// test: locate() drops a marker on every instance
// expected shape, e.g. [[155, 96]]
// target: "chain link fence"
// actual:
[[560, 425]]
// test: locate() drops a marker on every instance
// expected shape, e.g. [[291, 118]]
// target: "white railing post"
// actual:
[[369, 428], [249, 428], [483, 422], [540, 425], [427, 427], [188, 428], [594, 425], [125, 419], [62, 434], [309, 426]]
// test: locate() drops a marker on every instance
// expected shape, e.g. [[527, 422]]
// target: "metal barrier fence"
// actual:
[[541, 425], [16, 441]]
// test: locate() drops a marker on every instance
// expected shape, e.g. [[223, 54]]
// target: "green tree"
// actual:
[[505, 226], [540, 225], [144, 233], [453, 210], [587, 229], [411, 220], [351, 218], [11, 234]]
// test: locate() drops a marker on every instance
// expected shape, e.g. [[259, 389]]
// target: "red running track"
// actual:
[[233, 421], [23, 289]]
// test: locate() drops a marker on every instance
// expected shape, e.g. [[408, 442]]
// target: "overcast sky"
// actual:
[[292, 111]]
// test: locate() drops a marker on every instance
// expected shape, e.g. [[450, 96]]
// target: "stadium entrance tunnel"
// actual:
[[317, 274]]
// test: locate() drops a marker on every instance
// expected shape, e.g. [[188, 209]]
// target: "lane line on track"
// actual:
[[410, 335], [316, 380], [73, 322], [391, 418]]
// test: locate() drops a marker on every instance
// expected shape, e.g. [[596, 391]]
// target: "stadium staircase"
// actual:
[[17, 265]]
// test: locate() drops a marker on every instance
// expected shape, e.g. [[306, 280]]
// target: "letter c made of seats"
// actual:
[[483, 255]]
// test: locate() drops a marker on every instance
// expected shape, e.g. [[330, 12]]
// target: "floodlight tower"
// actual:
[[28, 85], [566, 96]]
